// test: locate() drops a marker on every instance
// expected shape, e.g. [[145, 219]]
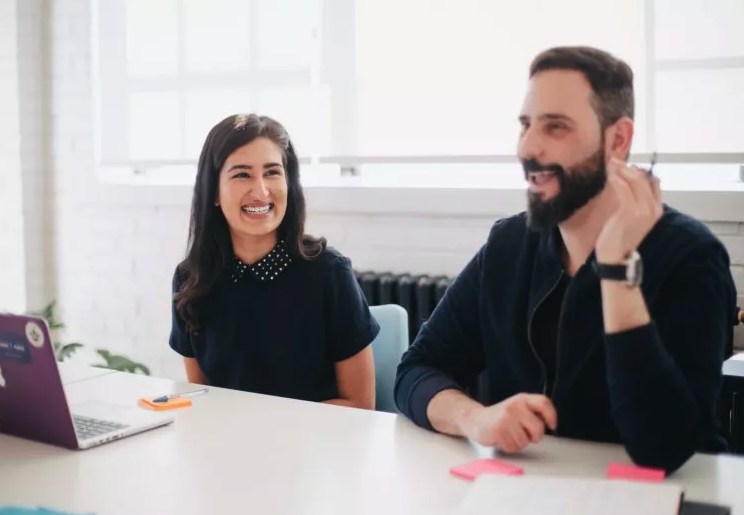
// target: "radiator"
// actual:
[[417, 294]]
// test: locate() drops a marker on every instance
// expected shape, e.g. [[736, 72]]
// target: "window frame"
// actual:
[[337, 54]]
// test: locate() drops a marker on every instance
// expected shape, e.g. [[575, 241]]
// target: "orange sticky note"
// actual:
[[633, 473], [161, 406], [472, 470]]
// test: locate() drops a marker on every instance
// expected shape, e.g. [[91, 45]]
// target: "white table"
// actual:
[[74, 372], [235, 452]]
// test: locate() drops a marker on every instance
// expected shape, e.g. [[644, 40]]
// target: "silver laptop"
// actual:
[[33, 404]]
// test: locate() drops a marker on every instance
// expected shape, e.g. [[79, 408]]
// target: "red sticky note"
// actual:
[[475, 468], [620, 471]]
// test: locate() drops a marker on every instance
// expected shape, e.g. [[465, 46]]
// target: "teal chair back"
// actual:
[[388, 347]]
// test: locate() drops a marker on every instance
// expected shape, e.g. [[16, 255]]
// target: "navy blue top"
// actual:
[[279, 326]]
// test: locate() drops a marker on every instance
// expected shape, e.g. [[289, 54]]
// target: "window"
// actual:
[[169, 70], [391, 81], [449, 77]]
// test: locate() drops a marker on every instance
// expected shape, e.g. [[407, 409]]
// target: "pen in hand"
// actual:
[[184, 395], [650, 171]]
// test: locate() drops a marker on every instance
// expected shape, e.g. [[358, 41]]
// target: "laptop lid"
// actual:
[[33, 404]]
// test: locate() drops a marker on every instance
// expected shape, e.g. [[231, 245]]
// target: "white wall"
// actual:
[[114, 247], [12, 255]]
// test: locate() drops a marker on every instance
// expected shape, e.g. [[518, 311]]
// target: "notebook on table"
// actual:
[[539, 495]]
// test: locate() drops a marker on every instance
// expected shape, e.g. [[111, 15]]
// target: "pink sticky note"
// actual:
[[475, 468], [620, 471]]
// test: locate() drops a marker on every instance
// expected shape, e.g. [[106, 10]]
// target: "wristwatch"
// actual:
[[630, 271]]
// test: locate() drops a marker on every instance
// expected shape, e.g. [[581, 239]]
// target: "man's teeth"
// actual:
[[259, 210], [540, 177]]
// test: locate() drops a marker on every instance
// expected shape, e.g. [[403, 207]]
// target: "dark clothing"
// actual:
[[277, 327], [546, 327], [653, 388]]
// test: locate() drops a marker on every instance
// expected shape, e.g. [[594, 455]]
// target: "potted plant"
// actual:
[[64, 351]]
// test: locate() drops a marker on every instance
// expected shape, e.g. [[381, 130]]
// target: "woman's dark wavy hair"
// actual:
[[209, 245]]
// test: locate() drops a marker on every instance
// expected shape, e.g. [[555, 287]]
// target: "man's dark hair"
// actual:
[[611, 78]]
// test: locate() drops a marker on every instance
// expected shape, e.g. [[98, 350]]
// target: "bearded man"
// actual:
[[599, 313]]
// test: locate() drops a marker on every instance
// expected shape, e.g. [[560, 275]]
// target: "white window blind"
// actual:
[[391, 80]]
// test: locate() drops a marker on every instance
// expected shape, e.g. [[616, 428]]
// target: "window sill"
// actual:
[[721, 200], [711, 206]]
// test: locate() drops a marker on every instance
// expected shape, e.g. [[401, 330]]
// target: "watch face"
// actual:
[[634, 269]]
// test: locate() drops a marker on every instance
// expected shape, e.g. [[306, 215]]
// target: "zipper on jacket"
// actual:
[[529, 331], [558, 345]]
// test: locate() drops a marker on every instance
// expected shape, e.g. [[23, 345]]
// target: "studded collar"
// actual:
[[265, 269]]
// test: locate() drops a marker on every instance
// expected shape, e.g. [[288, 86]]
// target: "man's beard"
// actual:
[[577, 187]]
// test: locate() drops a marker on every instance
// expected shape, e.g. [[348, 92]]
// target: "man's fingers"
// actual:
[[505, 441], [638, 183], [533, 425], [520, 437], [623, 191], [542, 406], [656, 188]]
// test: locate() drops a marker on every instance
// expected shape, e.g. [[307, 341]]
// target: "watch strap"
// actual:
[[612, 272], [630, 272]]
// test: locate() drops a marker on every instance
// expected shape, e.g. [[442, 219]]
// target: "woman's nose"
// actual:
[[260, 189]]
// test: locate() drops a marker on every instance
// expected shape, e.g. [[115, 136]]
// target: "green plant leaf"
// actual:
[[62, 351], [66, 350], [49, 314], [121, 363]]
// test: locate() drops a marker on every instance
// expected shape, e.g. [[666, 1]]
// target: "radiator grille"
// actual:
[[417, 294]]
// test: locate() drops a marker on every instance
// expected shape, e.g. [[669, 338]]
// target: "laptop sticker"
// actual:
[[2, 379], [35, 335], [14, 348]]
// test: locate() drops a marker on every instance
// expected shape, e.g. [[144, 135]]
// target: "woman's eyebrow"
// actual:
[[240, 166]]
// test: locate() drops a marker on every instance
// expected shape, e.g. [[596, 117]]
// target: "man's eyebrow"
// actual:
[[524, 119], [555, 116]]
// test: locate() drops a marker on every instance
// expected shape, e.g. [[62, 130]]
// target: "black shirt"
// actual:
[[277, 327]]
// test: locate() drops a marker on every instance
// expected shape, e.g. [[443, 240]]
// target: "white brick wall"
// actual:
[[115, 246], [33, 87], [12, 254]]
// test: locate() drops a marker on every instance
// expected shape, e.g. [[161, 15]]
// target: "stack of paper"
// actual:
[[540, 495], [18, 510]]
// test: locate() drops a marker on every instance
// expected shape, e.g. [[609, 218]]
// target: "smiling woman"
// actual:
[[259, 305]]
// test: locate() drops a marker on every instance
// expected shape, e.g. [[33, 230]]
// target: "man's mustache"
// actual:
[[533, 165]]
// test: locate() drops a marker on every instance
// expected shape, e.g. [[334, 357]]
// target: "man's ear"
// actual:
[[619, 138]]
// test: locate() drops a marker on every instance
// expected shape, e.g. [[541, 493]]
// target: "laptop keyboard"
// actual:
[[91, 427]]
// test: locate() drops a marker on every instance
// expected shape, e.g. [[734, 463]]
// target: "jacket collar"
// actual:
[[550, 250]]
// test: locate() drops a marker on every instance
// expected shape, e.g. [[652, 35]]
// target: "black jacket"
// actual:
[[655, 388]]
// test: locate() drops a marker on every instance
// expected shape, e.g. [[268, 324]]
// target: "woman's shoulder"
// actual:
[[328, 269], [331, 260]]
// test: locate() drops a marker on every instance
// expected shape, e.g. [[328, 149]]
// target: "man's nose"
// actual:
[[530, 145]]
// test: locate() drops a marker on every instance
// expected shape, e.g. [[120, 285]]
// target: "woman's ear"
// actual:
[[619, 138]]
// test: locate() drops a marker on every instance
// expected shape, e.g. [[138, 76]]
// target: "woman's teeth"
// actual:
[[257, 210]]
